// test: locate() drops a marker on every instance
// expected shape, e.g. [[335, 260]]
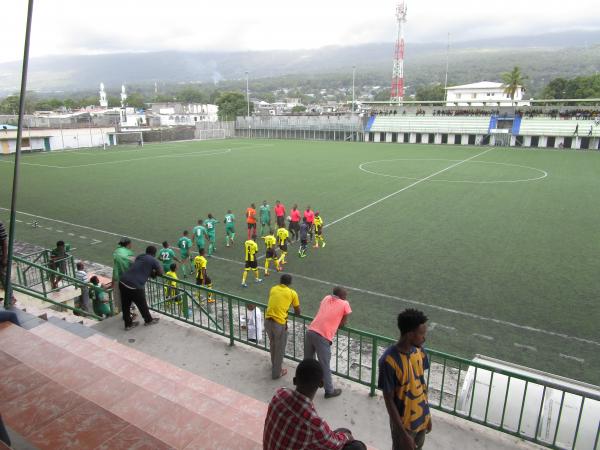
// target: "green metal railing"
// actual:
[[531, 408], [35, 279]]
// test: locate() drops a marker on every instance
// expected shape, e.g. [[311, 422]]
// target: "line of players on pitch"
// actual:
[[301, 226]]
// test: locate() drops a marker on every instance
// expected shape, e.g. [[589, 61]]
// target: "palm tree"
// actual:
[[513, 80]]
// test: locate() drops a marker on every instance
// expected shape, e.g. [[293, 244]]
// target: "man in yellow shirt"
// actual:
[[281, 297], [202, 277], [250, 250], [271, 254]]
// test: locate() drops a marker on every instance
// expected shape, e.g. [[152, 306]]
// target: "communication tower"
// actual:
[[397, 93]]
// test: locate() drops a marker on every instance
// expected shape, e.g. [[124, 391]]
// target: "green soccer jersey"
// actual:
[[265, 213], [121, 261], [210, 225], [229, 220], [199, 234], [165, 256], [184, 244]]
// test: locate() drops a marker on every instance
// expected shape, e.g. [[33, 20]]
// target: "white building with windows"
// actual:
[[484, 93]]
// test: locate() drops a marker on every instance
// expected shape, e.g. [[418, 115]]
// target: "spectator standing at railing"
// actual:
[[402, 381], [122, 259], [333, 313], [281, 298], [292, 421], [84, 299], [132, 286], [254, 323], [58, 263]]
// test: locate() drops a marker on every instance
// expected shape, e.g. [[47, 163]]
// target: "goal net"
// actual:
[[215, 133], [127, 138]]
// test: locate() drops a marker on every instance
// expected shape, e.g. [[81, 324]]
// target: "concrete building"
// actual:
[[172, 114], [47, 139], [484, 93]]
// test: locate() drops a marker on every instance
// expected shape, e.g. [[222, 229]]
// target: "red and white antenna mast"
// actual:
[[398, 74]]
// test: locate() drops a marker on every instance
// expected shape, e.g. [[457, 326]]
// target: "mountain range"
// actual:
[[541, 57]]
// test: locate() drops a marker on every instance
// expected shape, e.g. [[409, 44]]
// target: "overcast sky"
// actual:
[[100, 26]]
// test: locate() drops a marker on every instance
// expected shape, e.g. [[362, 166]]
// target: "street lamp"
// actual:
[[353, 75]]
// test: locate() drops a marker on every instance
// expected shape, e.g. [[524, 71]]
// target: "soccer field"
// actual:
[[499, 247]]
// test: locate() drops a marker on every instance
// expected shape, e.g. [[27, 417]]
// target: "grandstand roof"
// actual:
[[480, 85]]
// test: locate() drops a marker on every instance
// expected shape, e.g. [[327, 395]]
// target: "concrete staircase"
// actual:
[[61, 390]]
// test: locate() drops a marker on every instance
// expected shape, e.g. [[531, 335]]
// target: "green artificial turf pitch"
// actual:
[[499, 247]]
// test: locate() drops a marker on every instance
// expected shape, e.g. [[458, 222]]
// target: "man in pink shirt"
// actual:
[[280, 214], [309, 215], [333, 313]]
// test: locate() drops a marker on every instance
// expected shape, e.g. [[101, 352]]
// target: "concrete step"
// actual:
[[62, 391]]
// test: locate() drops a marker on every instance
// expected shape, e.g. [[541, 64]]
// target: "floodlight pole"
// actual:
[[353, 75], [8, 293], [247, 95], [447, 63]]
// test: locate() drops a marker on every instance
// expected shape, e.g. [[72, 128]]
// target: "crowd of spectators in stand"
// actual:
[[577, 114]]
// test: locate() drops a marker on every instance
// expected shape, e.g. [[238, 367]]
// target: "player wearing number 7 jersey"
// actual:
[[185, 244], [229, 227]]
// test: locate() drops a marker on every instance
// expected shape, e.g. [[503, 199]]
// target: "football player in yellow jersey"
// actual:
[[282, 241], [202, 277], [271, 254], [250, 250], [318, 230], [171, 286]]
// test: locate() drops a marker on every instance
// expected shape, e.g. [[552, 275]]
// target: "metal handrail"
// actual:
[[45, 274], [456, 385]]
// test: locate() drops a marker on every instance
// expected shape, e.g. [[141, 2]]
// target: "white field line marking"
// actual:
[[573, 358], [32, 164], [526, 347], [483, 336], [363, 291], [211, 152], [543, 172], [435, 325], [419, 181], [95, 151]]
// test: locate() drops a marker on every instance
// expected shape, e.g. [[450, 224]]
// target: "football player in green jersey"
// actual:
[[185, 244], [265, 218], [229, 227], [199, 233], [166, 255], [210, 225]]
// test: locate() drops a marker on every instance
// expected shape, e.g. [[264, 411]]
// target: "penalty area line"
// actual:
[[352, 288]]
